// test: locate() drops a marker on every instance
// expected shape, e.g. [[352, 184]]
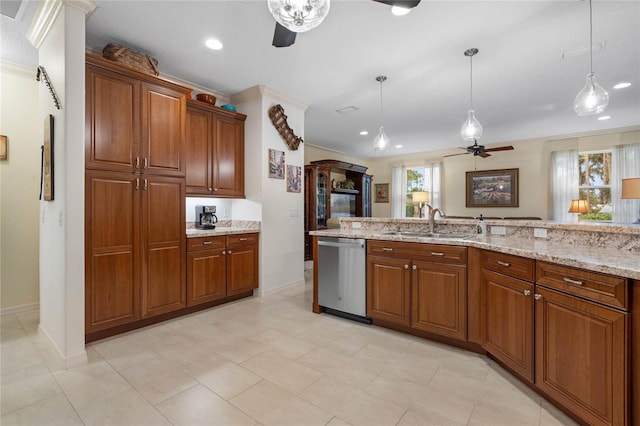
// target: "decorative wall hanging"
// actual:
[[46, 161], [276, 164], [279, 120], [3, 147], [42, 72], [382, 192], [492, 188], [294, 178]]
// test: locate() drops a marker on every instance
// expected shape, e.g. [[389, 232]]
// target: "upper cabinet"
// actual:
[[215, 151], [134, 122]]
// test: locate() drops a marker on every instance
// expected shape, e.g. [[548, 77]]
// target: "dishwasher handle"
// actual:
[[359, 243]]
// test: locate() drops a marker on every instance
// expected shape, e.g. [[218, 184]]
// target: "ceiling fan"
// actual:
[[480, 150], [283, 37]]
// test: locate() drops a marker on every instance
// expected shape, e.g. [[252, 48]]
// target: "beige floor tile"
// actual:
[[199, 406], [173, 350], [340, 367], [238, 349], [91, 383], [30, 321], [291, 347], [124, 352], [54, 411], [27, 386], [337, 421], [124, 409], [398, 391], [282, 371], [352, 404], [222, 376], [157, 379], [412, 419], [552, 416], [19, 354], [271, 404], [490, 414]]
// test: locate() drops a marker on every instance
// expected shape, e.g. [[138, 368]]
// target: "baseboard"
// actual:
[[280, 288], [12, 310], [66, 362]]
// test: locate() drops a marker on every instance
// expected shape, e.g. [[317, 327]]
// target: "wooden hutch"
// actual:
[[322, 179]]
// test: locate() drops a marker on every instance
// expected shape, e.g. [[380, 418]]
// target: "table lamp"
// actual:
[[420, 197], [631, 190]]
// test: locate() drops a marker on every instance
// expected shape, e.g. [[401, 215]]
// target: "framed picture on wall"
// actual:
[[294, 178], [3, 147], [47, 159], [382, 192], [276, 164], [492, 188]]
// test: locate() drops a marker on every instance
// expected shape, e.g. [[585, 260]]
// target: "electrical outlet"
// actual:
[[356, 225], [539, 232], [498, 230]]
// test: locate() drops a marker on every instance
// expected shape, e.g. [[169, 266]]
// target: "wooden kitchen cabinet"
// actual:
[[242, 263], [389, 289], [215, 151]]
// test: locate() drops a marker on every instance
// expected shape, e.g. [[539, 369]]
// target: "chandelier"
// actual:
[[299, 15]]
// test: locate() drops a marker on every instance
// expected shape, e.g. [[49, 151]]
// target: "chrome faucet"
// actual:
[[432, 215]]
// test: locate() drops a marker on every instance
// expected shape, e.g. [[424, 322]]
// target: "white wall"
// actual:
[[281, 212], [19, 189]]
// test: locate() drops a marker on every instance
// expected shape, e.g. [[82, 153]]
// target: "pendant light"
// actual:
[[471, 129], [592, 99], [299, 15], [382, 141]]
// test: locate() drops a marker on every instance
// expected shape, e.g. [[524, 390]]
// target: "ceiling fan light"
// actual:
[[399, 10], [382, 141], [299, 15], [592, 99], [471, 130]]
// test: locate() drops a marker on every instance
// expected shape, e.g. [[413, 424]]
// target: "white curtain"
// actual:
[[399, 187], [564, 185], [626, 164], [398, 191]]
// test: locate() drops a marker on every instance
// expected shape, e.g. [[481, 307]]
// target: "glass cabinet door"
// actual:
[[322, 193]]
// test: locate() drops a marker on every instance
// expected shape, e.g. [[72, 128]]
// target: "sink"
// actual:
[[427, 234]]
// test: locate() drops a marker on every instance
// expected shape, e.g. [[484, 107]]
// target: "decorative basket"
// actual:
[[130, 58]]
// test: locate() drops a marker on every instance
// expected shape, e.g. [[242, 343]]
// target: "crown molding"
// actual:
[[47, 14], [262, 91], [18, 70]]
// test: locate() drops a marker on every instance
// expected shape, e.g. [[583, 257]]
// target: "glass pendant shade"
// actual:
[[382, 141], [471, 129], [299, 15], [592, 99]]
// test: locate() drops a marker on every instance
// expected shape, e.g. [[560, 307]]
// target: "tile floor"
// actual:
[[267, 361]]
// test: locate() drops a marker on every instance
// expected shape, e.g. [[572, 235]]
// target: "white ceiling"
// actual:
[[522, 87]]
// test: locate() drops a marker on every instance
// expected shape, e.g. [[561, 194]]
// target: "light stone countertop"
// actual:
[[625, 263], [219, 231]]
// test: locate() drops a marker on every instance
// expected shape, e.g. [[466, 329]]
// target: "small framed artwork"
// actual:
[[294, 178], [3, 147], [276, 164], [47, 159], [382, 192], [492, 188]]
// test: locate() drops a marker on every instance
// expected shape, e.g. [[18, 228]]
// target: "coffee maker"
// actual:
[[206, 217]]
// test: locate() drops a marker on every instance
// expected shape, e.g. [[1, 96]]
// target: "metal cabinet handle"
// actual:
[[414, 267], [207, 242], [570, 281], [501, 263], [387, 249], [537, 296], [527, 292], [224, 252], [146, 163], [146, 185], [437, 253], [215, 189], [229, 251], [243, 239], [137, 183], [137, 165], [406, 266], [210, 189]]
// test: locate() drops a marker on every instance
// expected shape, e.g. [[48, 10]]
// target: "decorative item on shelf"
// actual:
[[631, 191], [205, 97], [579, 206], [348, 184], [130, 58], [279, 120], [299, 16], [471, 129], [229, 107], [382, 141], [592, 99], [420, 197]]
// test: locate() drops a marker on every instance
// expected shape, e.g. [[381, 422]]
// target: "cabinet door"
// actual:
[[242, 268], [228, 157], [508, 321], [581, 356], [199, 155], [323, 198], [112, 281], [439, 299], [206, 276], [163, 239], [163, 130], [112, 125], [389, 289]]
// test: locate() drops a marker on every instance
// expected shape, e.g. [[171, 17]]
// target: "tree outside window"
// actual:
[[595, 184], [425, 178]]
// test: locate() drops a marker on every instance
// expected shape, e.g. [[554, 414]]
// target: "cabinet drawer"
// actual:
[[508, 264], [607, 289], [428, 252], [240, 239], [204, 243]]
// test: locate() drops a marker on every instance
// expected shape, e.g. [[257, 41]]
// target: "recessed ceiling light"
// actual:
[[622, 85], [213, 44], [400, 11], [398, 146], [604, 117], [364, 133]]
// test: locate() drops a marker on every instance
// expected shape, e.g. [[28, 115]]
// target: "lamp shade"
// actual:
[[630, 188], [579, 206], [299, 15], [420, 196]]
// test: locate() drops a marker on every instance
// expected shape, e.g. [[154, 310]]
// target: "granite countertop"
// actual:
[[623, 263], [219, 231]]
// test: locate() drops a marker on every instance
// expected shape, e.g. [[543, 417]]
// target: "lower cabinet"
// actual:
[[221, 266], [422, 286]]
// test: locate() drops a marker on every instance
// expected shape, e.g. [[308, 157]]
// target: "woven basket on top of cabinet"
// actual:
[[130, 58]]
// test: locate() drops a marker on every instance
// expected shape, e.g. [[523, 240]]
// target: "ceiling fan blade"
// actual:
[[500, 148], [453, 155], [484, 155], [283, 37], [407, 4]]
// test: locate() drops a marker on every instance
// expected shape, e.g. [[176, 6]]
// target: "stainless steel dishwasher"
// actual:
[[342, 285]]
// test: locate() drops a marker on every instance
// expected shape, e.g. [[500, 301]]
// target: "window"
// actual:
[[408, 180], [595, 184]]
